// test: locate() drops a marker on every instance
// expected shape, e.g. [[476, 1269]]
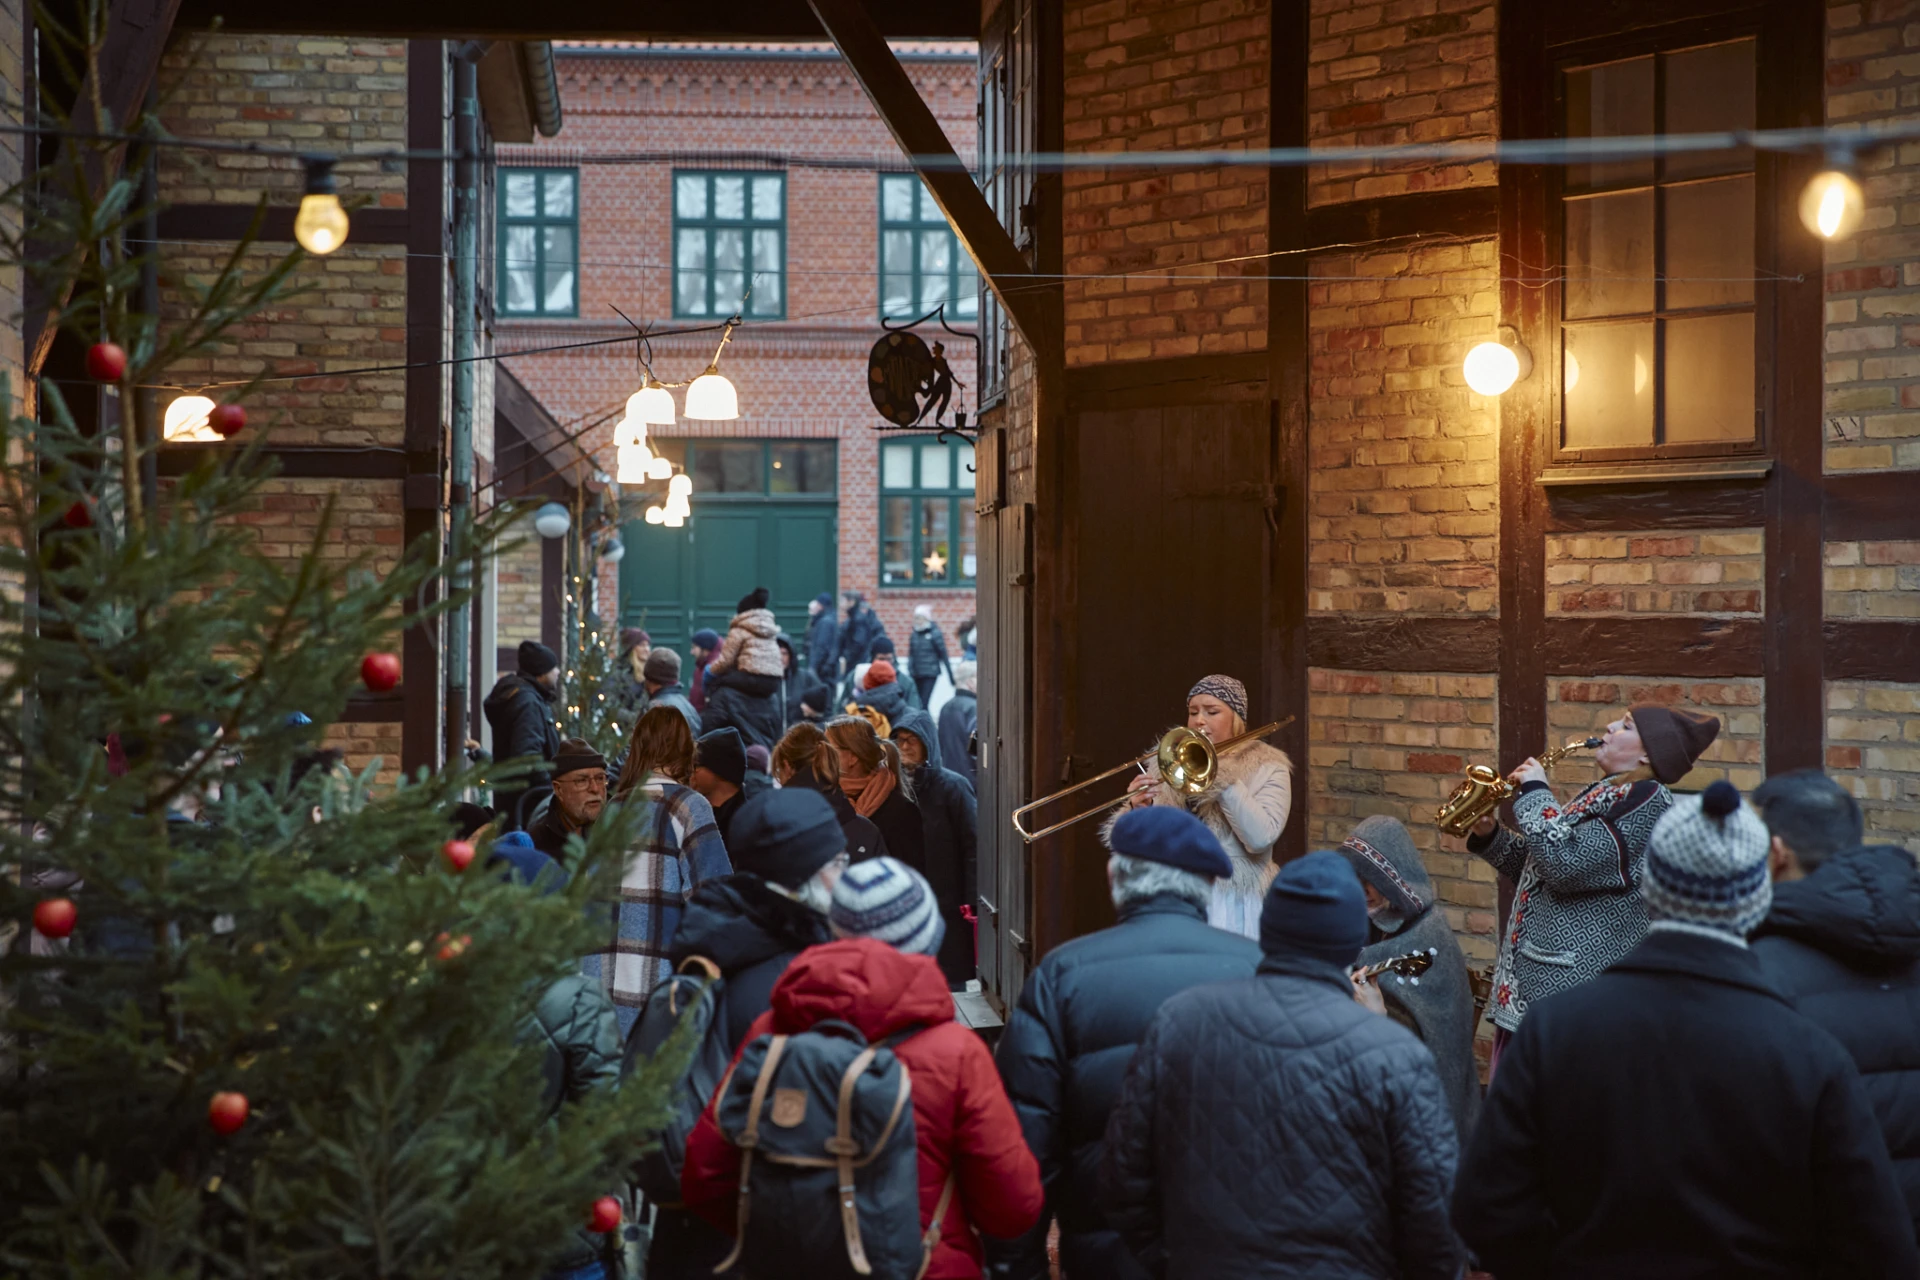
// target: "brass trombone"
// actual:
[[1187, 760]]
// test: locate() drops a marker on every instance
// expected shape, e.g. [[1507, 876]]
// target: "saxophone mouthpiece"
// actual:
[[1591, 743]]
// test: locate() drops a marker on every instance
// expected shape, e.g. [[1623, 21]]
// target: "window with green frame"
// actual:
[[926, 513], [540, 242], [729, 231], [921, 264]]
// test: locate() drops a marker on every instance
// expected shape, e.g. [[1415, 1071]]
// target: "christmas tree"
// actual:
[[598, 707], [260, 1017]]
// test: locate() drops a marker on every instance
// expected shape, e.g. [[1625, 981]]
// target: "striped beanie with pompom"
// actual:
[[886, 899], [1707, 866]]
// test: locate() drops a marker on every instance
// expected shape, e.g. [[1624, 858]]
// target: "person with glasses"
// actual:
[[579, 796]]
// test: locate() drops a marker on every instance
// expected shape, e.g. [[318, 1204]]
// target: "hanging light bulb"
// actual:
[[635, 463], [651, 404], [186, 419], [711, 398], [1832, 204], [321, 224], [680, 484], [629, 431], [1492, 367], [656, 515], [660, 468], [674, 520]]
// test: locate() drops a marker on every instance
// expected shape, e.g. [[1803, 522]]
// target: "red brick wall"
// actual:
[[802, 377]]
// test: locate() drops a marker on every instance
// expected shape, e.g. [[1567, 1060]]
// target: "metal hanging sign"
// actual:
[[913, 386]]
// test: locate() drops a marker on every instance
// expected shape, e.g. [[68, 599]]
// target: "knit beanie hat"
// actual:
[[706, 638], [1225, 688], [536, 659], [632, 638], [577, 754], [886, 899], [663, 667], [879, 672], [759, 759], [1315, 907], [785, 836], [883, 644], [1707, 864], [723, 754], [1673, 738], [754, 599]]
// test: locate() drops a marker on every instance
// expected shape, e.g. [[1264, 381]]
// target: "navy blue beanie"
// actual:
[[785, 836], [707, 638], [1160, 833], [1316, 908]]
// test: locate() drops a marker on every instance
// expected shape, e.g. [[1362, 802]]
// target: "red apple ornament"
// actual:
[[227, 1112], [54, 918], [106, 361], [78, 516], [458, 854], [606, 1214], [229, 420], [380, 671]]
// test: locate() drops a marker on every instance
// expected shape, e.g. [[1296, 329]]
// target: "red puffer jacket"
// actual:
[[962, 1119]]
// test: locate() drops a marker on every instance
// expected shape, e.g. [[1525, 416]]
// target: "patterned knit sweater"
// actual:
[[1576, 872]]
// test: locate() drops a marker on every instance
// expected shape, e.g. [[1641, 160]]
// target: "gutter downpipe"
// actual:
[[466, 238]]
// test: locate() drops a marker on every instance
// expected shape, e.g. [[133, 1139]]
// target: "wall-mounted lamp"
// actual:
[[552, 520], [1492, 367]]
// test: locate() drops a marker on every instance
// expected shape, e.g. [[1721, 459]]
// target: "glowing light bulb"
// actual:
[[680, 484], [712, 398], [655, 515], [1492, 367], [321, 224], [186, 419], [674, 521], [629, 431], [659, 469], [1832, 205], [651, 404], [634, 463]]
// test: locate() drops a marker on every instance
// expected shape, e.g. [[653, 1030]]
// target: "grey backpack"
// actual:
[[829, 1173], [698, 997]]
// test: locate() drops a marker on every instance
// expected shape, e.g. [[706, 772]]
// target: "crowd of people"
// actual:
[[1703, 1056]]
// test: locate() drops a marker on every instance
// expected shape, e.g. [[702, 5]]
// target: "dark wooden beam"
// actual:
[[1875, 650], [297, 462], [1348, 643], [1878, 506], [1462, 211], [135, 36], [229, 222], [422, 736], [388, 708], [583, 20], [553, 598], [1173, 381], [1615, 508], [1683, 645], [1284, 673], [911, 122]]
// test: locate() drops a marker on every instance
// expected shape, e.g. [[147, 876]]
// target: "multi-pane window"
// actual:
[[729, 233], [921, 263], [1658, 301], [926, 513], [540, 242]]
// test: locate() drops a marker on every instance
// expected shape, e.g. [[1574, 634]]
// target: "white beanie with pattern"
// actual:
[[887, 899], [1707, 865]]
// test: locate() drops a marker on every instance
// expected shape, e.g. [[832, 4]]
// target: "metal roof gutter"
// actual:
[[543, 85]]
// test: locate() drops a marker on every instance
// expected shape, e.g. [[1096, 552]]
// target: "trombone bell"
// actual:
[[1187, 760]]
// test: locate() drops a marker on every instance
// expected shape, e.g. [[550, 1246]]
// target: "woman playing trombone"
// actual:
[[1246, 808]]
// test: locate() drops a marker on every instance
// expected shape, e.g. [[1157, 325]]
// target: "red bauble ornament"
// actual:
[[54, 918], [606, 1214], [227, 1112], [106, 361], [78, 516], [452, 948], [458, 854], [229, 420], [380, 671]]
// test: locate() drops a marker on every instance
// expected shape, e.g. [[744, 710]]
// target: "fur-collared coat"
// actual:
[[1246, 809]]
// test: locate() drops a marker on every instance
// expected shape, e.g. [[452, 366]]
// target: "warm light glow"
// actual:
[[629, 431], [634, 464], [674, 521], [186, 420], [321, 224], [1492, 367], [711, 398], [1573, 372], [680, 484], [659, 469], [651, 404], [1832, 205], [1641, 374], [656, 515]]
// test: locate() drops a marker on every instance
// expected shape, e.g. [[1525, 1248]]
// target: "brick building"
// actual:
[[790, 496]]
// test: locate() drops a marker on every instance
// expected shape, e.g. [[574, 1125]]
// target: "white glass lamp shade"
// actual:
[[656, 515], [1832, 205], [552, 520], [680, 485], [674, 521], [652, 404], [186, 419], [1492, 367], [677, 505], [711, 398], [635, 463], [629, 431], [659, 469]]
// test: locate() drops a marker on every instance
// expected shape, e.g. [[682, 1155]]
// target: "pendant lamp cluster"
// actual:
[[710, 398]]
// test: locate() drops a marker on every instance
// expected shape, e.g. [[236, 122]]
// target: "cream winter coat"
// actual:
[[749, 646], [1246, 809]]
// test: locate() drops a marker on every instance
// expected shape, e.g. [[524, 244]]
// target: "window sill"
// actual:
[[1659, 472]]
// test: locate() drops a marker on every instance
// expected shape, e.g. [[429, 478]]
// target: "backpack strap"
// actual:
[[749, 1139], [931, 1240], [711, 974]]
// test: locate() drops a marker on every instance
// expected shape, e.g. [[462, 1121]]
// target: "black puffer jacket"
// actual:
[[760, 717], [520, 713], [1844, 946], [949, 816], [1273, 1127], [1065, 1051]]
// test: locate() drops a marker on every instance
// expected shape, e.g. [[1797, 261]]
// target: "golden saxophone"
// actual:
[[1483, 790]]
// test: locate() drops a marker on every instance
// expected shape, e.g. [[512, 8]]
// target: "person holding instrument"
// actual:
[[1246, 807], [1576, 866]]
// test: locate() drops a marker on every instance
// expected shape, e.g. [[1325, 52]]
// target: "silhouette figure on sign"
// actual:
[[938, 386]]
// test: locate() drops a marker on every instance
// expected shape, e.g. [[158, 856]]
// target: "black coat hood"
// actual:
[[737, 921], [1861, 906]]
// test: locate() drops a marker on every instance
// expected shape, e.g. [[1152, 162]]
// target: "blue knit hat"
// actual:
[[707, 638], [887, 899], [1316, 908], [1707, 864], [1160, 833]]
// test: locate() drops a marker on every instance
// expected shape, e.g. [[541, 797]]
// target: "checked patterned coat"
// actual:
[[1576, 901]]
